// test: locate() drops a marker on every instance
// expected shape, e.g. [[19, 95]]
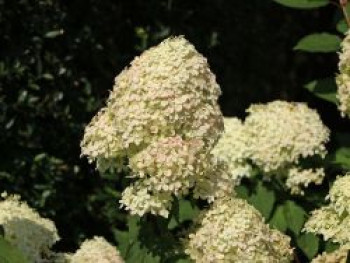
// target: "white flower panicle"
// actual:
[[101, 143], [216, 183], [169, 90], [344, 55], [343, 78], [337, 256], [26, 230], [96, 250], [343, 93], [339, 195], [333, 220], [164, 117], [172, 166], [233, 149], [283, 132], [297, 179], [234, 231], [139, 200]]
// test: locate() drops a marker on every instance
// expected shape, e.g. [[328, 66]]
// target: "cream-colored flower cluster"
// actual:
[[282, 133], [137, 199], [34, 236], [297, 179], [337, 256], [25, 229], [343, 78], [217, 182], [333, 220], [169, 90], [172, 166], [234, 231], [232, 148], [162, 116], [101, 142], [339, 195], [96, 250], [275, 137]]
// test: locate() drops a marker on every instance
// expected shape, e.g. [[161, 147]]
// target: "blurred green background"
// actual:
[[58, 60]]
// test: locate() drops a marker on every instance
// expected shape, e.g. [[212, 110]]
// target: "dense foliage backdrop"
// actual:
[[58, 60]]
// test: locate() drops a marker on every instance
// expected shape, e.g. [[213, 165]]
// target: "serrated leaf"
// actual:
[[263, 199], [303, 4], [295, 216], [324, 89], [9, 254], [309, 244], [342, 26], [321, 42], [278, 219]]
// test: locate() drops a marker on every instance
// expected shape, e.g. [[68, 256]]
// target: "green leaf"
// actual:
[[278, 219], [242, 191], [330, 246], [263, 199], [308, 243], [124, 242], [322, 42], [183, 210], [173, 223], [324, 89], [342, 157], [303, 4], [295, 216], [187, 211], [342, 26], [9, 254], [134, 227]]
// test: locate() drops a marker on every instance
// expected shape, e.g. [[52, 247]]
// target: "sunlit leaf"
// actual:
[[308, 243], [295, 216], [303, 4], [263, 199], [278, 219], [322, 42]]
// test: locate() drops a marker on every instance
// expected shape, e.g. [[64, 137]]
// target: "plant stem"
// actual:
[[345, 13]]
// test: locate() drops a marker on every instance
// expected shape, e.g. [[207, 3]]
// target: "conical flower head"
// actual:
[[169, 90]]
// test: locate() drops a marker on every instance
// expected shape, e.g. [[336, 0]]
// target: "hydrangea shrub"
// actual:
[[218, 189]]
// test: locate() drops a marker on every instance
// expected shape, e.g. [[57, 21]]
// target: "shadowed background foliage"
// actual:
[[58, 60]]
